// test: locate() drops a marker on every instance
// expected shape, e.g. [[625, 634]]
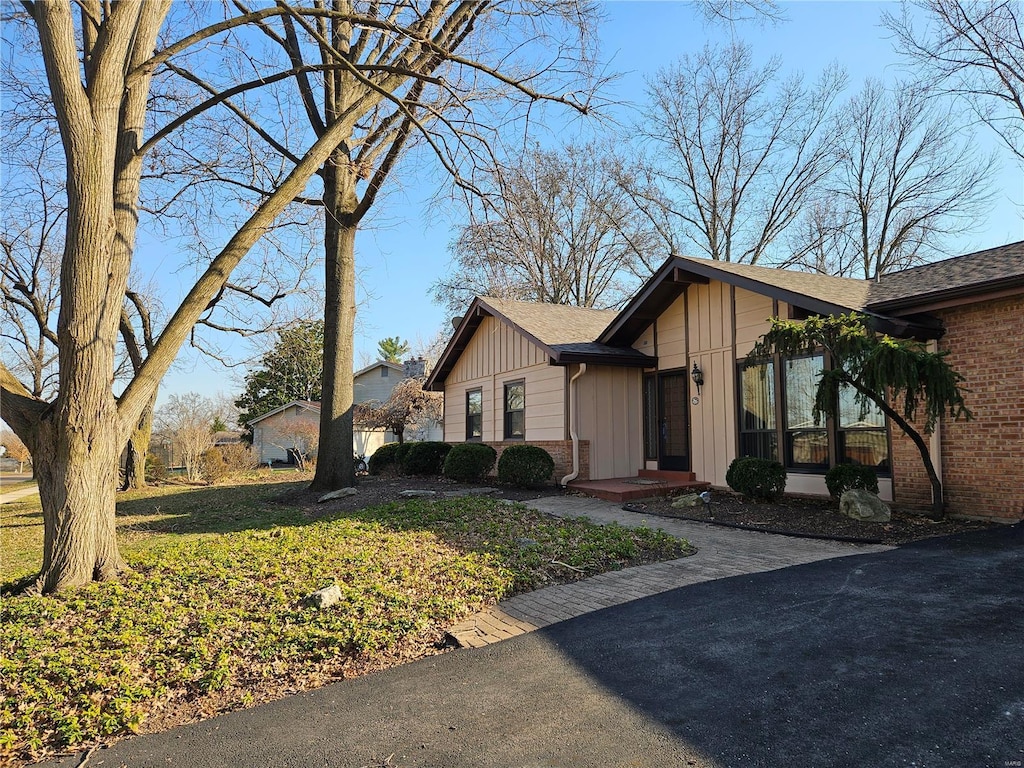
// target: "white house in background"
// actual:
[[274, 432]]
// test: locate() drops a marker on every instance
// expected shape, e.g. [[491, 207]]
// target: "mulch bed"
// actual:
[[796, 516], [816, 518]]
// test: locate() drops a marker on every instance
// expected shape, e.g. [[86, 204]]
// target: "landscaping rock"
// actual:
[[416, 493], [324, 598], [341, 493], [460, 492], [689, 500], [864, 505]]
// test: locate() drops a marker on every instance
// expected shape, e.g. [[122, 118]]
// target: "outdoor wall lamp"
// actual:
[[698, 376]]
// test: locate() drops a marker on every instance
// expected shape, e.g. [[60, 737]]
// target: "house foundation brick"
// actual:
[[561, 452]]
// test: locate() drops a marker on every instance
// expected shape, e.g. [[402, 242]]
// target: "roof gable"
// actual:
[[308, 405], [564, 333]]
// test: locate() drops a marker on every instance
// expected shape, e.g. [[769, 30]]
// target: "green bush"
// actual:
[[843, 477], [756, 478], [525, 466], [384, 458], [425, 458], [155, 468], [212, 465], [469, 462]]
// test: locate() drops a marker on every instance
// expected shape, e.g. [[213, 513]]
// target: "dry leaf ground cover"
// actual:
[[211, 617]]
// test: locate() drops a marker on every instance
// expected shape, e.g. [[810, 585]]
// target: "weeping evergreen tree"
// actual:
[[875, 365]]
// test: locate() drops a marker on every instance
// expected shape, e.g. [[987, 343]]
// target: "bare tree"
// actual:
[[409, 405], [15, 449], [99, 66], [975, 50], [556, 226], [187, 420], [297, 435], [736, 151], [445, 75], [908, 177]]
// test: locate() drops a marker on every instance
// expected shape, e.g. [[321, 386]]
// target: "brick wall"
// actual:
[[982, 459], [561, 452]]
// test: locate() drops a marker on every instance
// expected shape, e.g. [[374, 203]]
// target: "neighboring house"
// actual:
[[273, 432], [611, 393]]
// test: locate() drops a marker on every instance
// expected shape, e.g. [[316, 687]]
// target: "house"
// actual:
[[663, 384], [298, 422]]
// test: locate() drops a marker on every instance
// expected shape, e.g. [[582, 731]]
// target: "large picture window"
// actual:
[[515, 410], [474, 414], [758, 433], [860, 434], [806, 442]]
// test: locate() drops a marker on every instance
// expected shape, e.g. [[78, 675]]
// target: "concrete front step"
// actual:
[[623, 489]]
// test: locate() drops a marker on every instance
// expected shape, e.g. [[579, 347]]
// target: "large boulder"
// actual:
[[341, 493], [863, 505]]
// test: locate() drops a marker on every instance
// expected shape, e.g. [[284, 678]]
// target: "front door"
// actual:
[[674, 422]]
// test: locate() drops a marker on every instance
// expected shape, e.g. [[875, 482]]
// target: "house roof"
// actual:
[[379, 364], [816, 293], [565, 333], [972, 274], [309, 405], [575, 334]]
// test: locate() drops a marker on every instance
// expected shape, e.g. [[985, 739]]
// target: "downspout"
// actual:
[[573, 435], [935, 439]]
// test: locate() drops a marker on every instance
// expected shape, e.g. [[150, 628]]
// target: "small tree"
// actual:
[[15, 449], [408, 405], [881, 370], [298, 434], [188, 421]]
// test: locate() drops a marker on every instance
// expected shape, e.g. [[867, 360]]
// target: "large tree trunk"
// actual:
[[335, 467]]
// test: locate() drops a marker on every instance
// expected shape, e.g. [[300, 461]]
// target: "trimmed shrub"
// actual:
[[425, 458], [755, 478], [384, 458], [844, 477], [469, 462], [525, 466]]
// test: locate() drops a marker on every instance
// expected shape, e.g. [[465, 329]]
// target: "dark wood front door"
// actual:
[[674, 421]]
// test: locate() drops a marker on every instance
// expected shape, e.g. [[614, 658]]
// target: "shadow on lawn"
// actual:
[[210, 509]]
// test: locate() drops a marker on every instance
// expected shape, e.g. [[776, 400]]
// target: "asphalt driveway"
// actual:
[[910, 657]]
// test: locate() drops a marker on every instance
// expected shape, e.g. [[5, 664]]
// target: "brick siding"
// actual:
[[982, 459]]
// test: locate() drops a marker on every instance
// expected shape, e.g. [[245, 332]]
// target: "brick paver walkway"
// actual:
[[721, 552]]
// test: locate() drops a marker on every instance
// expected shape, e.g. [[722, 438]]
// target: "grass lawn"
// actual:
[[211, 616]]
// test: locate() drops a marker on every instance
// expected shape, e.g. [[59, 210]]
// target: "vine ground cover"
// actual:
[[211, 616]]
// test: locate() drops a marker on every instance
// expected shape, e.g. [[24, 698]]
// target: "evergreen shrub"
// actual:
[[426, 458], [525, 466], [760, 479], [844, 477], [469, 462]]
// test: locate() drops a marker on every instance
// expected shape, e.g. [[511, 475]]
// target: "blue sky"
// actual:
[[407, 249]]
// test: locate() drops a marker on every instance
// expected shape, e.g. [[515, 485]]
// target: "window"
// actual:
[[758, 434], [383, 371], [474, 414], [860, 434], [806, 442], [515, 410], [650, 417]]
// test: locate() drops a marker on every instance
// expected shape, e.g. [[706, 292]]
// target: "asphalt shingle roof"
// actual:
[[961, 273], [553, 324]]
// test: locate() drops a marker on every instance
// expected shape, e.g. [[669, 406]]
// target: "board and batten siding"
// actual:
[[496, 355], [714, 325], [610, 415]]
